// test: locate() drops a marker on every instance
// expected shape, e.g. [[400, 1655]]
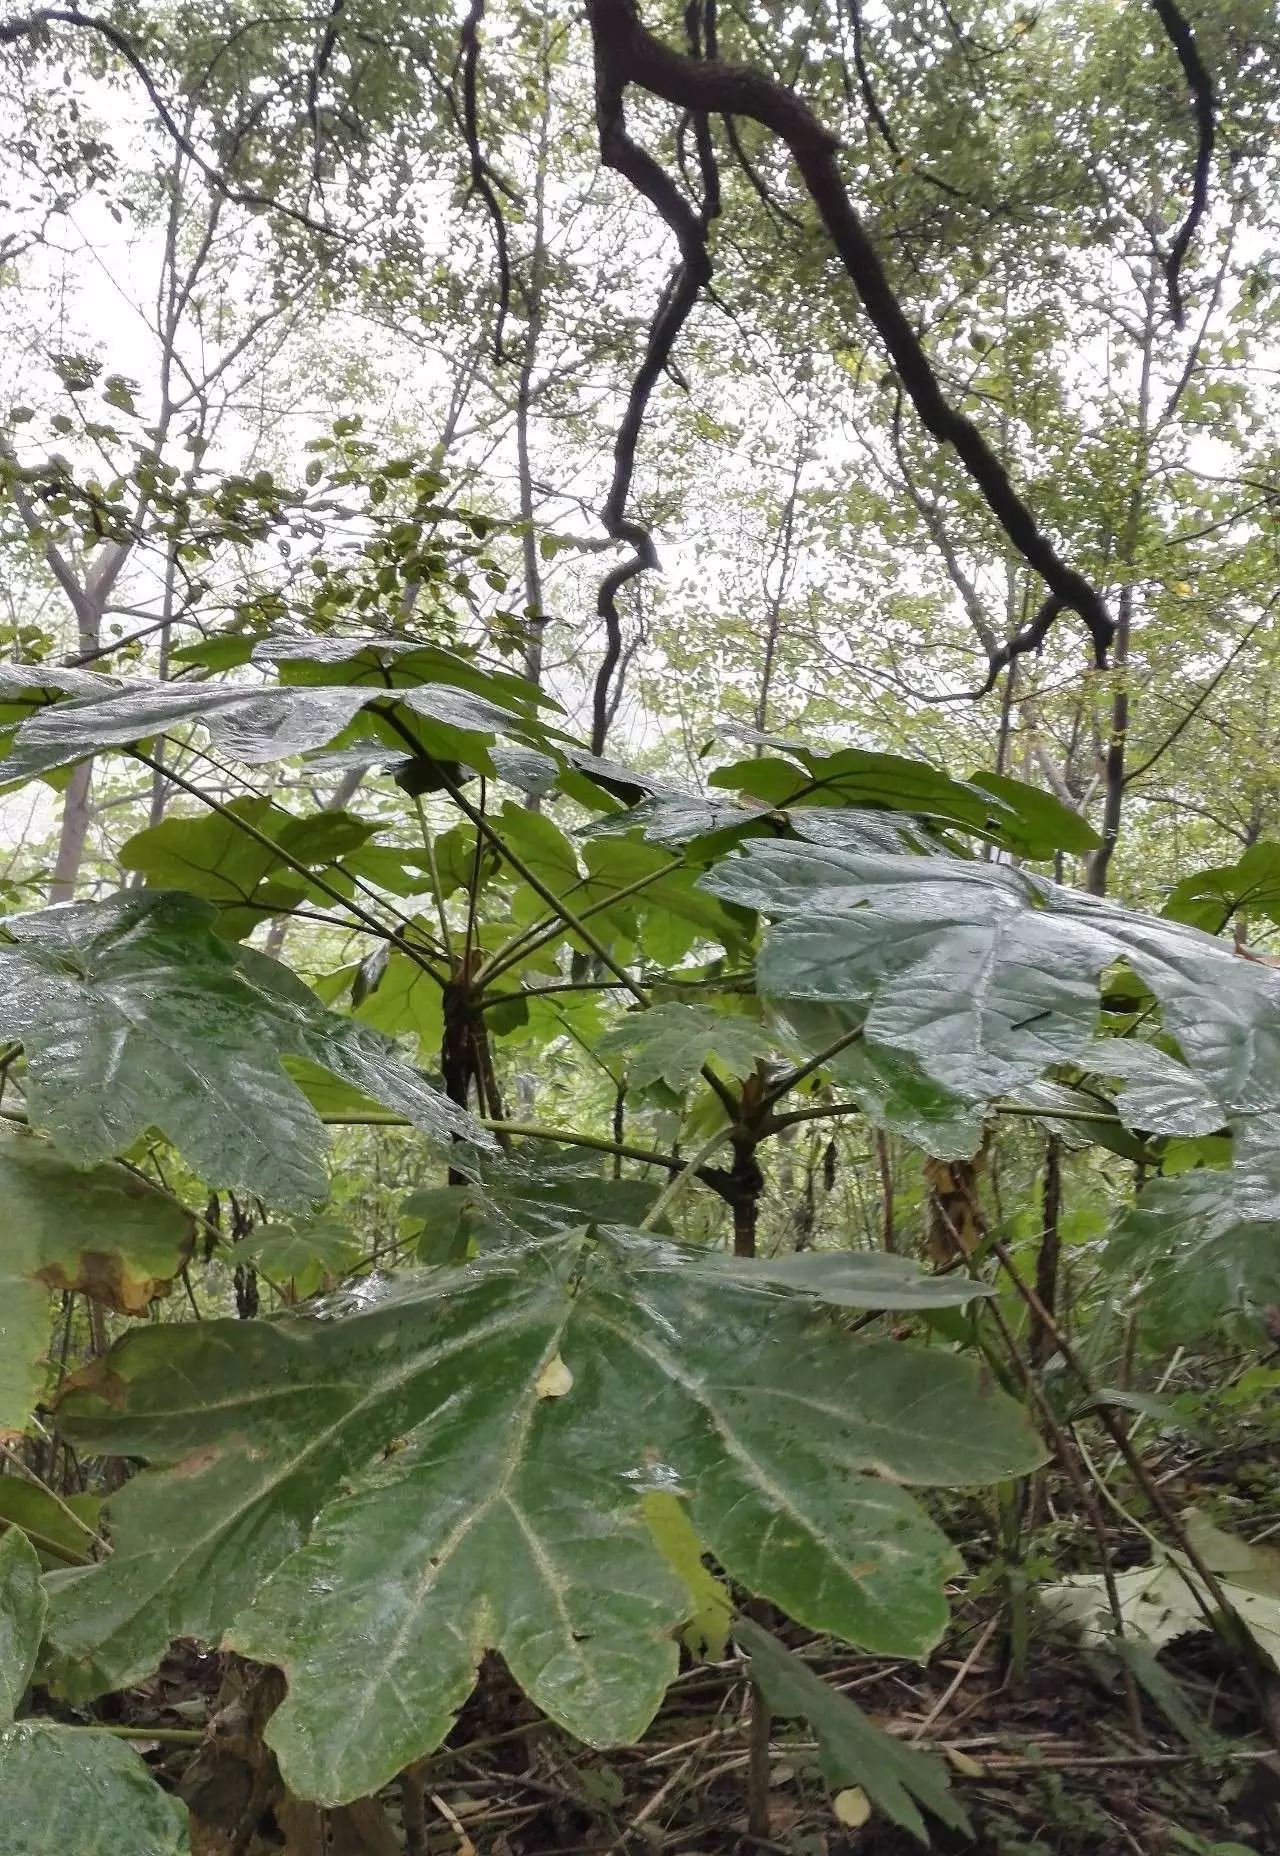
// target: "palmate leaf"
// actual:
[[301, 1256], [214, 856], [103, 1231], [1023, 819], [852, 1750], [66, 1789], [1210, 898], [372, 1501], [1202, 1245], [511, 1199], [984, 976], [307, 658], [1158, 1094], [134, 1014], [670, 1043], [955, 966], [257, 725]]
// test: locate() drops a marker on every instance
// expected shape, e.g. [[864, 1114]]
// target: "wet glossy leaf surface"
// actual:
[[134, 1013], [77, 1793], [984, 977], [22, 1608], [409, 1497], [510, 1200]]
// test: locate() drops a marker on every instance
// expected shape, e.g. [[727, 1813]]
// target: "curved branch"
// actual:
[[635, 164], [481, 174], [626, 52], [1200, 84]]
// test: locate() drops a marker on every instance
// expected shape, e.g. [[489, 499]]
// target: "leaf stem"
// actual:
[[680, 1182], [779, 1089], [553, 902], [368, 921], [537, 934]]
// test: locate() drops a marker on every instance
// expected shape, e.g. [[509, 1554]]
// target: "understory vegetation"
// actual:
[[639, 886]]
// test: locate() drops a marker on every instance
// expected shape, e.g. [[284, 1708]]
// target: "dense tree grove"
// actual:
[[639, 1041]]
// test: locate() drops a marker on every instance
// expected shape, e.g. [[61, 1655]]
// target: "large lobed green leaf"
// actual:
[[134, 1013], [671, 1042], [372, 1501], [1202, 1245], [1021, 818], [980, 977], [248, 879], [104, 1231], [511, 1199], [66, 1790], [257, 725]]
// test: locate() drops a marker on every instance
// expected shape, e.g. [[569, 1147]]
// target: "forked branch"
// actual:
[[626, 53]]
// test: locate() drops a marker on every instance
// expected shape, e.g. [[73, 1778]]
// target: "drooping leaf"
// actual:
[[670, 1043], [513, 1198], [134, 1013], [706, 1630], [1021, 818], [852, 1750], [62, 1529], [1036, 823], [985, 975], [1210, 898], [250, 725], [1079, 1118], [214, 856], [1160, 1095], [307, 658], [1204, 1244], [953, 964], [446, 1503], [22, 1612], [81, 1793], [256, 725], [104, 1232]]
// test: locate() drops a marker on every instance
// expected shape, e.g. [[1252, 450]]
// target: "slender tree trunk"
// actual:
[[1048, 1257], [1099, 864], [784, 556], [535, 617], [72, 834]]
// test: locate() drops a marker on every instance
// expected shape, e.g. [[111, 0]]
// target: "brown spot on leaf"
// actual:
[[197, 1462]]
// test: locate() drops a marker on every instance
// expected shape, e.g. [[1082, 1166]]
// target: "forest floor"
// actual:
[[1048, 1767]]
